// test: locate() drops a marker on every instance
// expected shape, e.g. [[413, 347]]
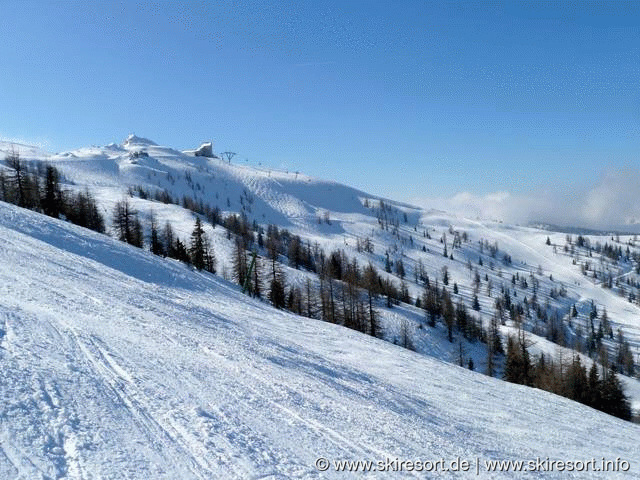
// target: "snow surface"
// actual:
[[296, 201], [119, 364]]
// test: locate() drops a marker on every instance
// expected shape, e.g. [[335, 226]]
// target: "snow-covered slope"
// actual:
[[119, 364], [336, 216]]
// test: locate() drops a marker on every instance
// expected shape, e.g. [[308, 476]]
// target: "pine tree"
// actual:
[[155, 244], [518, 367], [14, 162], [168, 240], [239, 262], [256, 277], [209, 256], [370, 281], [445, 275], [81, 209], [614, 400], [576, 381], [448, 314], [294, 252], [512, 367], [52, 201], [196, 246], [493, 337], [277, 290], [125, 221], [400, 269], [594, 390], [476, 303], [181, 252], [387, 263]]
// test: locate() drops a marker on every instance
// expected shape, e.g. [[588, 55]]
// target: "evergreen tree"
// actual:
[[614, 400], [180, 251], [168, 241], [512, 367], [239, 262], [476, 303], [197, 252], [518, 367], [277, 290], [576, 381], [126, 223], [155, 244], [81, 209], [400, 269], [256, 277], [448, 313], [52, 201], [18, 179], [594, 390], [294, 252], [209, 256], [370, 281]]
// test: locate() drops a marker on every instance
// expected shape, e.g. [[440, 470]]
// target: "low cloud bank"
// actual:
[[612, 203]]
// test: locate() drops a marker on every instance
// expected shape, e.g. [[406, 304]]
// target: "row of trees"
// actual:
[[40, 189], [128, 228], [346, 293], [602, 391]]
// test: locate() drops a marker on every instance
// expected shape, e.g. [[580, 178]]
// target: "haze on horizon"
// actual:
[[515, 111]]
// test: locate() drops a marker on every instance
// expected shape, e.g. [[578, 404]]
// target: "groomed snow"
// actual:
[[119, 364]]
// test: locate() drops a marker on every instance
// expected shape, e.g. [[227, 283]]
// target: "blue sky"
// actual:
[[407, 99]]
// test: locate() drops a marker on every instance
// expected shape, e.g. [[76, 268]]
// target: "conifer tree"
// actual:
[[614, 400], [448, 313], [277, 287], [239, 262], [125, 221], [155, 244], [371, 284], [168, 240], [14, 162], [180, 251], [197, 252], [52, 201]]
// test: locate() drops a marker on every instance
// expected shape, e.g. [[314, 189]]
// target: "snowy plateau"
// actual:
[[116, 363]]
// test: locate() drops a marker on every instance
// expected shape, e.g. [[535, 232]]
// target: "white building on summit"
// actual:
[[204, 150]]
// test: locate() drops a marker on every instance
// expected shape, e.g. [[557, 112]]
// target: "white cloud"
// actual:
[[612, 202]]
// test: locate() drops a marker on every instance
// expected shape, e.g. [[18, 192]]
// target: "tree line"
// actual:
[[600, 390], [40, 189], [346, 293]]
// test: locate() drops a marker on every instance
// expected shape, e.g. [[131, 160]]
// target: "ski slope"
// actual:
[[299, 203], [119, 364]]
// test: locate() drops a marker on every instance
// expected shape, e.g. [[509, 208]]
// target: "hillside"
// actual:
[[117, 363], [557, 281]]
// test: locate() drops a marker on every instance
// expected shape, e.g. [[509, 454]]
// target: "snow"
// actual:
[[296, 201], [204, 150], [132, 139], [119, 364]]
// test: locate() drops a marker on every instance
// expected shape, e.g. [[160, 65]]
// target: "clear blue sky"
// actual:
[[406, 98]]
